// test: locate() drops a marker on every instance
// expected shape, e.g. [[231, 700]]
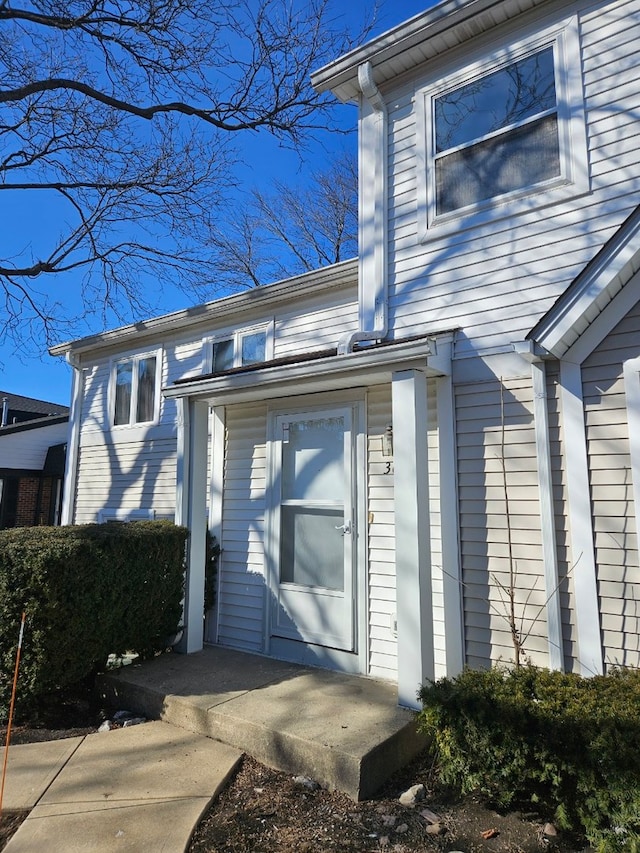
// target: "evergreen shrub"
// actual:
[[88, 591], [567, 745]]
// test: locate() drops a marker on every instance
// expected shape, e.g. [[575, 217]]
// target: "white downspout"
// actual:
[[73, 442], [372, 255]]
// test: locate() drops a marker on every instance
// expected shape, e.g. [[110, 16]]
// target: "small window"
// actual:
[[223, 356], [499, 134], [136, 392], [242, 348], [253, 347]]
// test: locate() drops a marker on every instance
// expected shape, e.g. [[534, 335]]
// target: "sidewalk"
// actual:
[[134, 789]]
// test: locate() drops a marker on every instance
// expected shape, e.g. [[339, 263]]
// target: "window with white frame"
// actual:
[[135, 389], [506, 130], [241, 348], [111, 514]]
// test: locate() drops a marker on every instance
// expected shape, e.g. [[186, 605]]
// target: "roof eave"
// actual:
[[335, 372], [425, 35], [589, 294], [337, 275]]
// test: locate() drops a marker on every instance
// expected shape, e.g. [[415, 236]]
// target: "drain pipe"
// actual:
[[73, 442], [5, 411], [372, 265]]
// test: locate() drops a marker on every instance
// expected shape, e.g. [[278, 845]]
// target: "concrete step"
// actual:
[[345, 732]]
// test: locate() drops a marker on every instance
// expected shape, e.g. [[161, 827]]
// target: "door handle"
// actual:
[[345, 528]]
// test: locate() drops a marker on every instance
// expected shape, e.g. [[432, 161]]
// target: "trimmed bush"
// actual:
[[88, 592], [569, 746]]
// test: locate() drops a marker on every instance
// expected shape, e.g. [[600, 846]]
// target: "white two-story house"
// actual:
[[392, 450]]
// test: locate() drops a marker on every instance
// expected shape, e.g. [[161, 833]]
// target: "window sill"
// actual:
[[559, 192]]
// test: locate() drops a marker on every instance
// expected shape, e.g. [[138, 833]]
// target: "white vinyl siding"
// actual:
[[316, 325], [27, 449], [614, 516], [123, 470], [488, 547], [381, 543], [496, 280], [242, 594], [383, 658], [126, 477]]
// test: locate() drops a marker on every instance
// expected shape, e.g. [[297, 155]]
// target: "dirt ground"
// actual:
[[265, 811]]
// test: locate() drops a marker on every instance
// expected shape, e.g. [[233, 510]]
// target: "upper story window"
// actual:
[[497, 134], [500, 134], [135, 389], [241, 348]]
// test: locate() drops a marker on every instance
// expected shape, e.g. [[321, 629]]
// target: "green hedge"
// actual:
[[570, 746], [88, 591]]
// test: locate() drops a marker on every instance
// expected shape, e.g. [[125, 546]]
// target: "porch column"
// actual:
[[583, 567], [191, 512], [412, 527]]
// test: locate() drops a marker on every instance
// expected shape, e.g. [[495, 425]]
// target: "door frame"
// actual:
[[301, 651]]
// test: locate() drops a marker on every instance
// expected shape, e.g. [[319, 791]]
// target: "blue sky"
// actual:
[[47, 378]]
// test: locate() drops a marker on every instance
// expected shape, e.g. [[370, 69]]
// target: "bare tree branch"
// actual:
[[292, 230], [119, 118]]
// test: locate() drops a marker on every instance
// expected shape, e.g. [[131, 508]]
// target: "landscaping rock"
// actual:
[[414, 795], [305, 782], [429, 816], [550, 830]]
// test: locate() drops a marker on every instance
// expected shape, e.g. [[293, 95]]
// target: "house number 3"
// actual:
[[389, 468]]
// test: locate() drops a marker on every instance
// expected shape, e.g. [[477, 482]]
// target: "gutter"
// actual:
[[372, 255]]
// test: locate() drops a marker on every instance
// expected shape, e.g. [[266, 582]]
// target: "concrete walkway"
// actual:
[[344, 731], [135, 789], [145, 788]]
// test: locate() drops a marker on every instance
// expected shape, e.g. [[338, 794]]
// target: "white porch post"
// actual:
[[413, 548], [583, 558], [191, 512]]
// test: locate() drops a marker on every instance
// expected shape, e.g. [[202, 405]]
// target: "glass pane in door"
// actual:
[[313, 460], [312, 549], [312, 508]]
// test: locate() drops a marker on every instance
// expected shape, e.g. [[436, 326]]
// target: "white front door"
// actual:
[[313, 555]]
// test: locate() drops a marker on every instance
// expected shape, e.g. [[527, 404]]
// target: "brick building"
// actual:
[[33, 437]]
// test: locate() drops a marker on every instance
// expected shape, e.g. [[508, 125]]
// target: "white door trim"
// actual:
[[349, 661]]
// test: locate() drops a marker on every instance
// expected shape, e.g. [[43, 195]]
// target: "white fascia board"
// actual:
[[427, 34], [360, 368], [591, 292], [316, 281]]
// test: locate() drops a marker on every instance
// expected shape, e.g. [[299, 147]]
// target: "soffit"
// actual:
[[416, 41]]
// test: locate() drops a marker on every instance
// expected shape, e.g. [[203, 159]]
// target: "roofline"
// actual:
[[448, 16], [591, 291], [324, 278], [36, 423], [327, 371]]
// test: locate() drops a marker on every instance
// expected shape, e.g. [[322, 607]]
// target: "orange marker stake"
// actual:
[[11, 705]]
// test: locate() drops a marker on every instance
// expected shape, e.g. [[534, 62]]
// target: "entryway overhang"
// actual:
[[406, 366], [317, 372]]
